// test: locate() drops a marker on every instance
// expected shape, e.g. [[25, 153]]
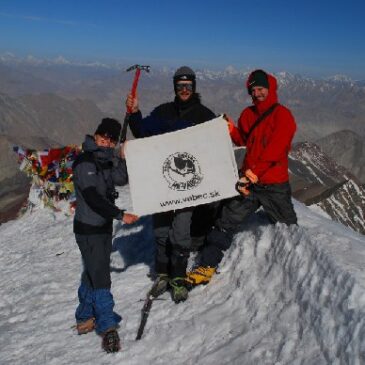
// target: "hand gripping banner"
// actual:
[[181, 169]]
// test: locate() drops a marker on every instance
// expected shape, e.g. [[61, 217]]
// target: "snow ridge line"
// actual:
[[324, 292]]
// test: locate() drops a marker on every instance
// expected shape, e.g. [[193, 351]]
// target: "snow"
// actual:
[[283, 296], [317, 208]]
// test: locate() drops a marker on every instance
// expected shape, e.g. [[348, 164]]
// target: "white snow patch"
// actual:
[[283, 296]]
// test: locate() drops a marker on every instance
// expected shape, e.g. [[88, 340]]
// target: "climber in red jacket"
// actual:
[[266, 129]]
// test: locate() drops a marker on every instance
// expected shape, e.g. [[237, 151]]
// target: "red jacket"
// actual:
[[268, 145]]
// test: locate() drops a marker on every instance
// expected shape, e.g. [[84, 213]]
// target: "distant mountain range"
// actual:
[[48, 115], [37, 122], [321, 106], [347, 149], [56, 102], [316, 179]]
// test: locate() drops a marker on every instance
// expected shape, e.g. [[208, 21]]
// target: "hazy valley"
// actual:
[[45, 104]]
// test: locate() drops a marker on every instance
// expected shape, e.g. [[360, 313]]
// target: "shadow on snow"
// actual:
[[136, 247]]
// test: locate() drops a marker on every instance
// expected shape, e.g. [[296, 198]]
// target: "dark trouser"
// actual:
[[203, 219], [95, 298], [173, 240], [95, 251], [274, 198]]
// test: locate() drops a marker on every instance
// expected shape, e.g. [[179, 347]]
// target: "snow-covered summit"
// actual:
[[283, 296], [341, 78]]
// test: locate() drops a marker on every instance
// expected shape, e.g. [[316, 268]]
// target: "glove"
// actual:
[[242, 186], [129, 218], [132, 104], [251, 176], [230, 123]]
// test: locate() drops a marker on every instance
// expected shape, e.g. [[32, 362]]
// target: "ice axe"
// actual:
[[138, 69]]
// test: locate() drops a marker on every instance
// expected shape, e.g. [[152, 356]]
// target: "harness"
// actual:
[[260, 119]]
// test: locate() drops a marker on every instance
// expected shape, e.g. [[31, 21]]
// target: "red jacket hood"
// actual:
[[271, 99]]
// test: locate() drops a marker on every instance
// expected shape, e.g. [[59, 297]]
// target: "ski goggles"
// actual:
[[182, 86]]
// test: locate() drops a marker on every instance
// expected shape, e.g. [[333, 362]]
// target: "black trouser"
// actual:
[[173, 240], [203, 219], [95, 251], [274, 198]]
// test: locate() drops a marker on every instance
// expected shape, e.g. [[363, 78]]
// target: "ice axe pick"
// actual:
[[138, 69]]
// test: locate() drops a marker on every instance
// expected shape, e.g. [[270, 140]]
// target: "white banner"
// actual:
[[186, 168]]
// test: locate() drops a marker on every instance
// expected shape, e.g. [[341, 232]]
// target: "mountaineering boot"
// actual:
[[160, 285], [179, 291], [200, 275], [86, 326], [111, 341]]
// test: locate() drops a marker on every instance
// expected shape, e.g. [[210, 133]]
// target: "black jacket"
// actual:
[[96, 172], [170, 117]]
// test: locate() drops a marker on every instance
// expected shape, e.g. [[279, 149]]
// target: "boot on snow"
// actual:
[[179, 291], [86, 326], [200, 276], [111, 341], [160, 285]]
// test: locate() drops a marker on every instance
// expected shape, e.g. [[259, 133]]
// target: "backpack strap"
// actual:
[[260, 119]]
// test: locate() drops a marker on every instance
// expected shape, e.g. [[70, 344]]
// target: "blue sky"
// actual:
[[315, 38]]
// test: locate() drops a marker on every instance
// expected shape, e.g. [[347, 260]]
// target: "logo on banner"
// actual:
[[182, 171]]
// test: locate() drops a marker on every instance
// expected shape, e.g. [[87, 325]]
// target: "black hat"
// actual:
[[184, 73], [257, 78], [109, 127]]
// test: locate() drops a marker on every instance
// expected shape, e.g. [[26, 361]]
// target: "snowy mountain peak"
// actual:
[[60, 60], [340, 78], [230, 70], [7, 57], [282, 296]]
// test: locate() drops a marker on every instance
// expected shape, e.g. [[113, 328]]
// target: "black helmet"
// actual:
[[184, 73]]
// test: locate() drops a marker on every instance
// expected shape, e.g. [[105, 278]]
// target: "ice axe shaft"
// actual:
[[134, 86], [137, 74]]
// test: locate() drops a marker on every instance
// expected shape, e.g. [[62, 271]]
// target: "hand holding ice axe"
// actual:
[[138, 69]]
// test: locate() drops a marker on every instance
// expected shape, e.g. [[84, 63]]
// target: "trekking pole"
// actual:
[[138, 69]]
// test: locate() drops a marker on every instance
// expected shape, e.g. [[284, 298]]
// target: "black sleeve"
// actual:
[[135, 124], [204, 114], [152, 125], [100, 205], [208, 114]]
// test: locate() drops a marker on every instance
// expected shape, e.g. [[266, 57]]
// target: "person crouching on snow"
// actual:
[[266, 129], [96, 172]]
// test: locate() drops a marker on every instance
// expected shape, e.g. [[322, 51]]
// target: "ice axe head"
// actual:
[[138, 67]]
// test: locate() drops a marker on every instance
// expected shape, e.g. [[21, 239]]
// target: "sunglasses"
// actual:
[[181, 87]]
